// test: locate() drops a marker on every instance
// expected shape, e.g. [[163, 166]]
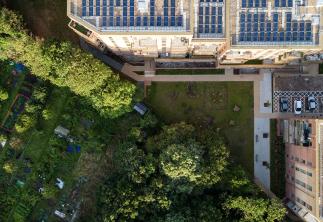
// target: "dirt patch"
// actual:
[[298, 83]]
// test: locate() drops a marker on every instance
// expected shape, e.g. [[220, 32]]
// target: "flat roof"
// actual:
[[252, 22]]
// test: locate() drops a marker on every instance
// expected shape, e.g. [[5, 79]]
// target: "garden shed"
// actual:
[[61, 131], [140, 108]]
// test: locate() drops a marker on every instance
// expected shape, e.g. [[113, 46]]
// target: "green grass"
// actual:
[[253, 62], [189, 71], [210, 104], [277, 161]]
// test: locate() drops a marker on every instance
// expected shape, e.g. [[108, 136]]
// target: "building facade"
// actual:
[[228, 31], [303, 150]]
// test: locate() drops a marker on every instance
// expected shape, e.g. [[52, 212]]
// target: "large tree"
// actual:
[[66, 66]]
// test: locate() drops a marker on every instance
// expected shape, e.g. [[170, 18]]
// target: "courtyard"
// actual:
[[224, 106]]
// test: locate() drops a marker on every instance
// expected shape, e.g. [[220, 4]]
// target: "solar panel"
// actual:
[[111, 21], [254, 36], [206, 29], [220, 20], [172, 11], [212, 28], [268, 36], [248, 36], [200, 28], [295, 37], [104, 8], [159, 21], [172, 21], [132, 21], [179, 20], [249, 17], [138, 21], [255, 18], [220, 29], [213, 11], [201, 11], [263, 3], [145, 21], [166, 11], [250, 3], [288, 36], [308, 36], [275, 17], [83, 11], [104, 21], [248, 27], [290, 3], [281, 36], [244, 3], [283, 3], [301, 36], [219, 10], [166, 21], [213, 20], [301, 26], [118, 21]]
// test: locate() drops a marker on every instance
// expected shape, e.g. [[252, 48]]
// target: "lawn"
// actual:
[[45, 18], [190, 71], [210, 105]]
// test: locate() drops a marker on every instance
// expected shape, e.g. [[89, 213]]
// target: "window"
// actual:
[[303, 161], [309, 187], [309, 207], [292, 178], [297, 199], [309, 163], [287, 155], [309, 174]]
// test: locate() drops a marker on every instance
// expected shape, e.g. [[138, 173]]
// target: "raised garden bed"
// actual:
[[14, 112]]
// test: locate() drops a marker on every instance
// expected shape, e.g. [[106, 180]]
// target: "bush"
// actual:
[[3, 95]]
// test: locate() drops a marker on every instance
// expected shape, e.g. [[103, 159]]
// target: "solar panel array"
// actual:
[[210, 18], [106, 10], [255, 27]]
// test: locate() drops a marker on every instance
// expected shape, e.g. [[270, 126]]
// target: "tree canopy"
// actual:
[[66, 66], [180, 174]]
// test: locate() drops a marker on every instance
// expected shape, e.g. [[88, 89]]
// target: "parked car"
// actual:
[[311, 103], [297, 107], [283, 104]]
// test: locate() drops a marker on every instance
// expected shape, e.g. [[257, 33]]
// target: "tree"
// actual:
[[50, 191], [66, 66], [255, 209], [180, 161], [137, 166], [3, 95]]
